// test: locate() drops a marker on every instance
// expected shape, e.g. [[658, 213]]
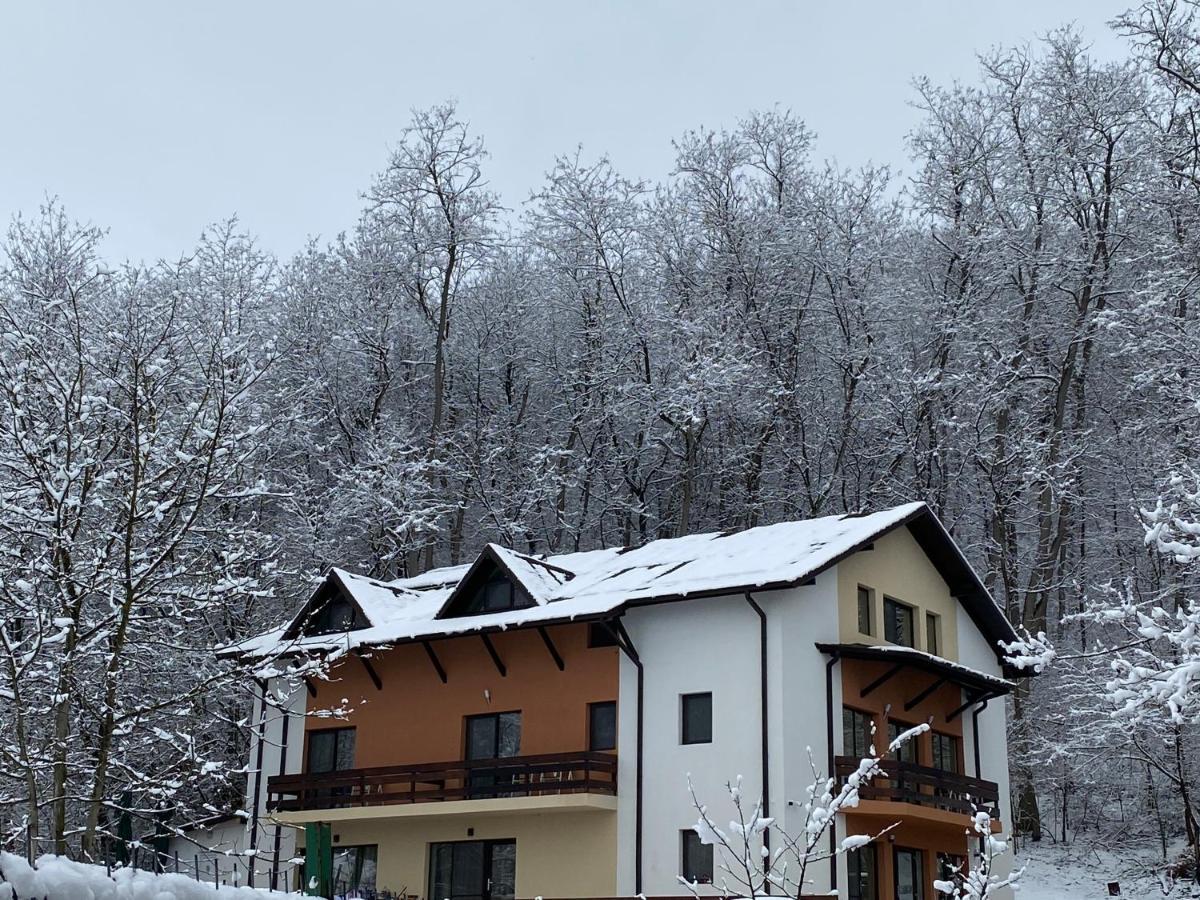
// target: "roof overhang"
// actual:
[[972, 680]]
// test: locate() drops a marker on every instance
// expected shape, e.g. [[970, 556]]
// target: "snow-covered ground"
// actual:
[[1054, 872], [55, 878]]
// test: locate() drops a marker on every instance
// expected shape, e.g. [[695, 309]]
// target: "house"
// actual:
[[526, 726]]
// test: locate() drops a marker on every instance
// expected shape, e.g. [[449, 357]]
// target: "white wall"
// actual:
[[713, 645], [288, 699], [974, 651]]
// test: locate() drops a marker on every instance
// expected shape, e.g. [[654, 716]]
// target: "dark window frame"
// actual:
[[690, 843], [487, 849], [320, 733], [855, 874], [685, 737], [919, 856], [891, 628], [866, 611], [593, 709], [912, 746], [933, 633], [467, 720], [937, 751], [865, 733], [354, 883]]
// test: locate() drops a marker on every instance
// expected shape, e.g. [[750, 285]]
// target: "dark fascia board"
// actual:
[[487, 556], [331, 581], [979, 682]]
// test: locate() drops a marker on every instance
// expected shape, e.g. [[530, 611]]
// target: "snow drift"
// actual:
[[58, 878]]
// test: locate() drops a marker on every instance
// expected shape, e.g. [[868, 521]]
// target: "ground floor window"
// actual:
[[473, 870], [697, 858], [863, 881], [910, 874], [951, 867], [353, 870]]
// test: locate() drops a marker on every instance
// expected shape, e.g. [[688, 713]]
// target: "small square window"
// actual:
[[697, 858], [933, 631], [864, 610], [697, 718], [602, 726], [600, 634], [898, 622]]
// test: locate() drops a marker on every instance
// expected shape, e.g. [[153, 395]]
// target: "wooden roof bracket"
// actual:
[[554, 654], [491, 649], [937, 683], [375, 679], [881, 680], [433, 658]]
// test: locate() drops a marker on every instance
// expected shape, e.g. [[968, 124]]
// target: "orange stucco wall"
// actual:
[[416, 718], [898, 690]]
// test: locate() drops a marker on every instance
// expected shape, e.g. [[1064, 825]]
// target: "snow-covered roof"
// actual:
[[599, 583], [953, 671]]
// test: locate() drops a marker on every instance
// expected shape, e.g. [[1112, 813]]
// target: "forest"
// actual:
[[1008, 332]]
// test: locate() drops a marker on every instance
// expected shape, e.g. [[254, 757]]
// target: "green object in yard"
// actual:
[[318, 859]]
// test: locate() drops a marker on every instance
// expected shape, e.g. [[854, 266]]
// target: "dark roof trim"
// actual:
[[487, 556], [978, 682], [331, 580]]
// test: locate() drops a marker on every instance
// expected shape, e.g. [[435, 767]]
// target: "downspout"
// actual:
[[975, 733], [833, 658], [626, 644], [766, 747], [258, 775], [283, 749]]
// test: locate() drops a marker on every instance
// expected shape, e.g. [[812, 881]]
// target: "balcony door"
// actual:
[[473, 870], [492, 736], [910, 874]]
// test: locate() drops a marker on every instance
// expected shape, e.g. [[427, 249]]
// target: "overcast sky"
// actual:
[[153, 119]]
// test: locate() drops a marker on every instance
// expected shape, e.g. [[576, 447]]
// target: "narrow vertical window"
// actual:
[[898, 622], [864, 610], [602, 726], [697, 858], [863, 883], [856, 733], [696, 710], [933, 629], [945, 752]]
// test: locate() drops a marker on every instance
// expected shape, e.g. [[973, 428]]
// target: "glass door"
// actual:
[[492, 736], [910, 874], [473, 870]]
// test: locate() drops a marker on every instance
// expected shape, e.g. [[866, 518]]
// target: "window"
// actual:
[[910, 874], [602, 726], [697, 718], [897, 622], [330, 750], [496, 594], [338, 614], [473, 870], [697, 858], [353, 870], [945, 752], [864, 610], [951, 868], [600, 635], [494, 735], [856, 733], [863, 883], [933, 631], [906, 752]]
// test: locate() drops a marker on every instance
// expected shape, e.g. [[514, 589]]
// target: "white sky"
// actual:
[[155, 118]]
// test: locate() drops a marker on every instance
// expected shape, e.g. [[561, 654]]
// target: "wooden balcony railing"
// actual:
[[905, 782], [517, 776]]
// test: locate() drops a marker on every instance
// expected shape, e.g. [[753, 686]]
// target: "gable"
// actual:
[[331, 609], [488, 587]]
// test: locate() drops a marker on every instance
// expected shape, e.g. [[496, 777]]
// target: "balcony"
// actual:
[[905, 782], [546, 776]]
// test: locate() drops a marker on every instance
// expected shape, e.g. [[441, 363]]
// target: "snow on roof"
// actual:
[[594, 583], [920, 658]]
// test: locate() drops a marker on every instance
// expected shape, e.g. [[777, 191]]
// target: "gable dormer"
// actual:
[[488, 587], [331, 609]]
